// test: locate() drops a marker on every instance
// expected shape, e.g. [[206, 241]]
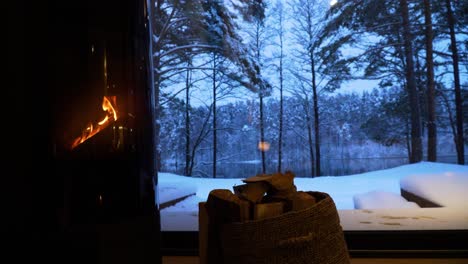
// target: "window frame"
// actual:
[[375, 244]]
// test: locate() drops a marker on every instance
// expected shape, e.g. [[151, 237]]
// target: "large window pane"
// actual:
[[347, 97]]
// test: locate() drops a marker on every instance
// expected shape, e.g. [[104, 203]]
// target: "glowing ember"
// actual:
[[263, 146], [91, 130]]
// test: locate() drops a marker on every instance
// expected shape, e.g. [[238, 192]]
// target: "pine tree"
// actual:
[[257, 35], [184, 27], [431, 120], [280, 20], [319, 55], [416, 140], [390, 57], [460, 146]]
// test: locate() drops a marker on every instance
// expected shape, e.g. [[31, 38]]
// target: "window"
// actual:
[[345, 96]]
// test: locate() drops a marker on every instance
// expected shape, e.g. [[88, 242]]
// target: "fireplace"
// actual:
[[82, 148]]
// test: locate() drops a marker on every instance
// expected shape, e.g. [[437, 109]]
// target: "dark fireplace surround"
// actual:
[[94, 202]]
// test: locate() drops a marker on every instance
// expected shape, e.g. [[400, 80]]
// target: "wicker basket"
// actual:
[[313, 235]]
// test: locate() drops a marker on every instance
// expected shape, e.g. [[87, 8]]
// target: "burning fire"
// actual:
[[108, 103]]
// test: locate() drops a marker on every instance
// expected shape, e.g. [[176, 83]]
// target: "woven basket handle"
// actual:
[[295, 241]]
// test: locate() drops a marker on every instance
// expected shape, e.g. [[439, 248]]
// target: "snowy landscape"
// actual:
[[355, 101], [367, 201]]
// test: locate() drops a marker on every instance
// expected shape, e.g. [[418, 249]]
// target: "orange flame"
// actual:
[[263, 146], [91, 130]]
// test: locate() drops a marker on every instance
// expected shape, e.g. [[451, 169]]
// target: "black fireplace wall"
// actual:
[[102, 50], [97, 201]]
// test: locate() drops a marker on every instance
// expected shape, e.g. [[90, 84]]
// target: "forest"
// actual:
[[246, 87]]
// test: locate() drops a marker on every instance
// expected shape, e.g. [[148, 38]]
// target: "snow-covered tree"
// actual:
[[183, 27], [279, 20], [317, 54]]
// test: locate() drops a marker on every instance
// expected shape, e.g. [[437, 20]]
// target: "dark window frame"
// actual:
[[375, 244]]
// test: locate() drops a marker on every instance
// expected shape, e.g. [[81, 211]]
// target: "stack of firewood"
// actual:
[[262, 196]]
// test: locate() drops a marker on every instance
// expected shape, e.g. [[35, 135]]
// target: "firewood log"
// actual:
[[301, 200], [259, 178], [267, 210], [282, 194], [222, 207], [277, 181], [282, 182], [225, 207], [253, 192]]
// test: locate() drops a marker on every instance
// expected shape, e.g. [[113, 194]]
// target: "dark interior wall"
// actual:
[[26, 122], [31, 187]]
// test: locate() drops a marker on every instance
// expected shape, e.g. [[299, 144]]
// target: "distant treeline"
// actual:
[[360, 132]]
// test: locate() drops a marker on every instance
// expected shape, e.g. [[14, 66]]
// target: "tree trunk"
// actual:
[[421, 90], [262, 134], [309, 137], [187, 171], [281, 57], [408, 140], [157, 113], [416, 142], [155, 79], [204, 131], [215, 147], [262, 145], [431, 117], [280, 126], [450, 116], [456, 77], [316, 118]]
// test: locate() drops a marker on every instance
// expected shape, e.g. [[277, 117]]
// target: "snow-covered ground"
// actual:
[[376, 194]]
